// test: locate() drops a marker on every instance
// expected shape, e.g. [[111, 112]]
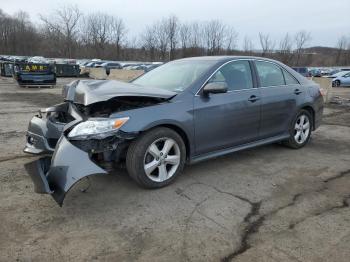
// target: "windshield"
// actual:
[[175, 76]]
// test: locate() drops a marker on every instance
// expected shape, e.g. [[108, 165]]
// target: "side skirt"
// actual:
[[229, 150]]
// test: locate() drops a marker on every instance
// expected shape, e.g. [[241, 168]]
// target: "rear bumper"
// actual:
[[318, 112], [58, 175]]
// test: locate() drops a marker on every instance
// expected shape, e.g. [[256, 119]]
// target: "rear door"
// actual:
[[228, 119], [280, 93]]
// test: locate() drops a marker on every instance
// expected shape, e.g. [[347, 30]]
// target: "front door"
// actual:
[[228, 119]]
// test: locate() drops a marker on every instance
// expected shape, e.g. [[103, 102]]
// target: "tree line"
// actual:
[[68, 33]]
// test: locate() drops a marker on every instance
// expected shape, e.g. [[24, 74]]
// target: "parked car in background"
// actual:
[[339, 73], [110, 65], [67, 70], [303, 71], [184, 111], [332, 73], [38, 60], [326, 71], [315, 72], [94, 64], [342, 79]]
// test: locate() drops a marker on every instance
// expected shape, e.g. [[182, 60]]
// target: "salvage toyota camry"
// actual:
[[182, 112]]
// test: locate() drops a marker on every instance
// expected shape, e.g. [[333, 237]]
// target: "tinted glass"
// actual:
[[269, 74], [175, 76], [290, 80], [237, 75]]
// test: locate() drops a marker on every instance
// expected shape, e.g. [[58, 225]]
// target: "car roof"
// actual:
[[223, 58], [341, 73], [226, 58]]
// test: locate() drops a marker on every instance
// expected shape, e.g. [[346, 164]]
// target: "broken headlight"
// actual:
[[97, 128]]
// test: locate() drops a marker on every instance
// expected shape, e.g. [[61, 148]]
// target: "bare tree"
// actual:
[[66, 32], [118, 34], [149, 42], [248, 46], [196, 40], [17, 34], [231, 37], [266, 43], [184, 34], [341, 49], [285, 49], [301, 40], [162, 39], [64, 24], [97, 31], [172, 28], [214, 36]]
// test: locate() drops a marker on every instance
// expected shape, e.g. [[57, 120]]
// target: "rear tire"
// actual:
[[156, 158], [300, 130], [337, 83]]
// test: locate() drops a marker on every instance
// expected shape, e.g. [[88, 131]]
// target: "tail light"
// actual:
[[323, 91]]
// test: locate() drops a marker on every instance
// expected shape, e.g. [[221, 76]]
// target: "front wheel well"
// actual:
[[312, 113]]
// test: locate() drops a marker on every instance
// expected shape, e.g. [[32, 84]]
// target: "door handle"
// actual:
[[253, 98], [297, 91]]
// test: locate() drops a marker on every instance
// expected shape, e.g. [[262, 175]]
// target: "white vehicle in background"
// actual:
[[339, 73], [38, 59], [342, 79]]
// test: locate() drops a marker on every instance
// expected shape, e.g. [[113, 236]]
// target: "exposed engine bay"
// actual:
[[118, 104]]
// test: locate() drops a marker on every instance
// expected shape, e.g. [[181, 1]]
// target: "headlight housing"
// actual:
[[97, 128]]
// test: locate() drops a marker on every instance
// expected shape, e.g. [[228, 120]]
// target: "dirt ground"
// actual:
[[265, 204]]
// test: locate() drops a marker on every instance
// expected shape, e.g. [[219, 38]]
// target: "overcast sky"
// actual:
[[326, 20]]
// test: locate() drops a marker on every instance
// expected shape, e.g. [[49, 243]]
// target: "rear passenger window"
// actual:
[[290, 80], [269, 74], [236, 74]]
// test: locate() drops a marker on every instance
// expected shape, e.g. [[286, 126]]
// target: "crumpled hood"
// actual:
[[87, 92]]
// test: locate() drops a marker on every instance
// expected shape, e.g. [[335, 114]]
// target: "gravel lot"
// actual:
[[266, 204]]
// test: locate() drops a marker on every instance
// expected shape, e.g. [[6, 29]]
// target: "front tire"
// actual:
[[337, 83], [300, 130], [156, 158]]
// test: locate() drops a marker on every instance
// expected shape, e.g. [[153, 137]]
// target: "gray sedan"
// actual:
[[185, 111]]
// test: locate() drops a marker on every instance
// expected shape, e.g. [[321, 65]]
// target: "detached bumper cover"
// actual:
[[68, 165]]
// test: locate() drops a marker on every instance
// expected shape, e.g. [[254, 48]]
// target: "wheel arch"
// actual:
[[311, 110], [181, 132]]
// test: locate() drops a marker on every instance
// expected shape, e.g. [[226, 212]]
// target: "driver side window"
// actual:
[[236, 74]]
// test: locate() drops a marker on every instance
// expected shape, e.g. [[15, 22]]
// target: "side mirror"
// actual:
[[215, 88]]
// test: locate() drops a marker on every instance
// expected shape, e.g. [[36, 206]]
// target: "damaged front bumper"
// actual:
[[56, 176], [65, 161], [45, 129]]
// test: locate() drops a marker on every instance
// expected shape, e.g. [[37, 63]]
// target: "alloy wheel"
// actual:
[[302, 129], [162, 159]]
